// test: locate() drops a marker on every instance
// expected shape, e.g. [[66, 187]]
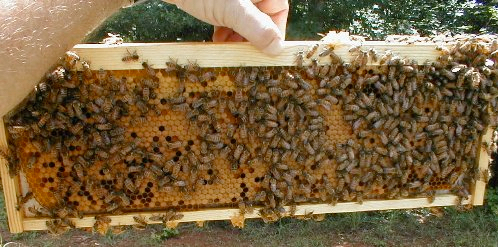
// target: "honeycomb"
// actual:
[[188, 138]]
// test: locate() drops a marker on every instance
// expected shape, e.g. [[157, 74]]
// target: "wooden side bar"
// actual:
[[10, 189], [479, 188]]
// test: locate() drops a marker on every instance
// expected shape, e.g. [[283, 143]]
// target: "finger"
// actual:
[[224, 34], [271, 6], [235, 37], [278, 10], [258, 28], [221, 34], [280, 20]]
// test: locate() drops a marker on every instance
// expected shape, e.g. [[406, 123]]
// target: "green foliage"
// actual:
[[152, 21], [309, 17], [3, 212], [165, 234], [424, 18], [27, 236], [492, 199]]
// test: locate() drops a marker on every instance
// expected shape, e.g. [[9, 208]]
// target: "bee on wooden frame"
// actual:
[[150, 71], [130, 57], [140, 221], [312, 51]]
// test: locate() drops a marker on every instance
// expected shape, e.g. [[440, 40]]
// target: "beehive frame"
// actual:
[[108, 57]]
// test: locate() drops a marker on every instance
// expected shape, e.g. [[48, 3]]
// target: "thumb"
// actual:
[[257, 27]]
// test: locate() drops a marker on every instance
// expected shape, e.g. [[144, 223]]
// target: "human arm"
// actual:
[[34, 34]]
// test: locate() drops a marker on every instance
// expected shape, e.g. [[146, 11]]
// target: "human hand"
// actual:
[[261, 22]]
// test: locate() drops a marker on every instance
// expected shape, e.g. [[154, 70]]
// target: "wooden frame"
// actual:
[[108, 57]]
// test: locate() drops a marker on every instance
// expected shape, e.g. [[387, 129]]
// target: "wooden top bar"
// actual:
[[108, 57]]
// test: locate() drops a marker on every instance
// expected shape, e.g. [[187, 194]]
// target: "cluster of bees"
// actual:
[[413, 129]]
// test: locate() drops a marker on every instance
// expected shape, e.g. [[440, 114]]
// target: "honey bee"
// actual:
[[304, 84], [239, 95], [184, 107], [38, 212], [431, 196], [55, 226], [140, 222], [101, 224], [172, 65], [78, 169], [245, 208], [193, 78], [146, 93], [208, 76], [234, 166], [268, 154], [23, 199], [150, 71], [31, 161], [253, 74], [213, 137], [192, 67], [130, 57], [113, 207], [382, 151], [238, 151], [207, 159], [124, 199], [129, 185], [243, 131], [179, 183], [372, 116], [312, 50], [268, 215], [309, 148], [263, 96], [168, 216], [231, 106], [244, 157]]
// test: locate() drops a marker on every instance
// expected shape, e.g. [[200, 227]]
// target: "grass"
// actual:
[[417, 227], [391, 228], [3, 212]]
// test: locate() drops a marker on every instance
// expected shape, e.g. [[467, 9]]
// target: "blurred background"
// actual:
[[156, 21]]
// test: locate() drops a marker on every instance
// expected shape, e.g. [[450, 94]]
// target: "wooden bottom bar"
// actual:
[[30, 224]]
